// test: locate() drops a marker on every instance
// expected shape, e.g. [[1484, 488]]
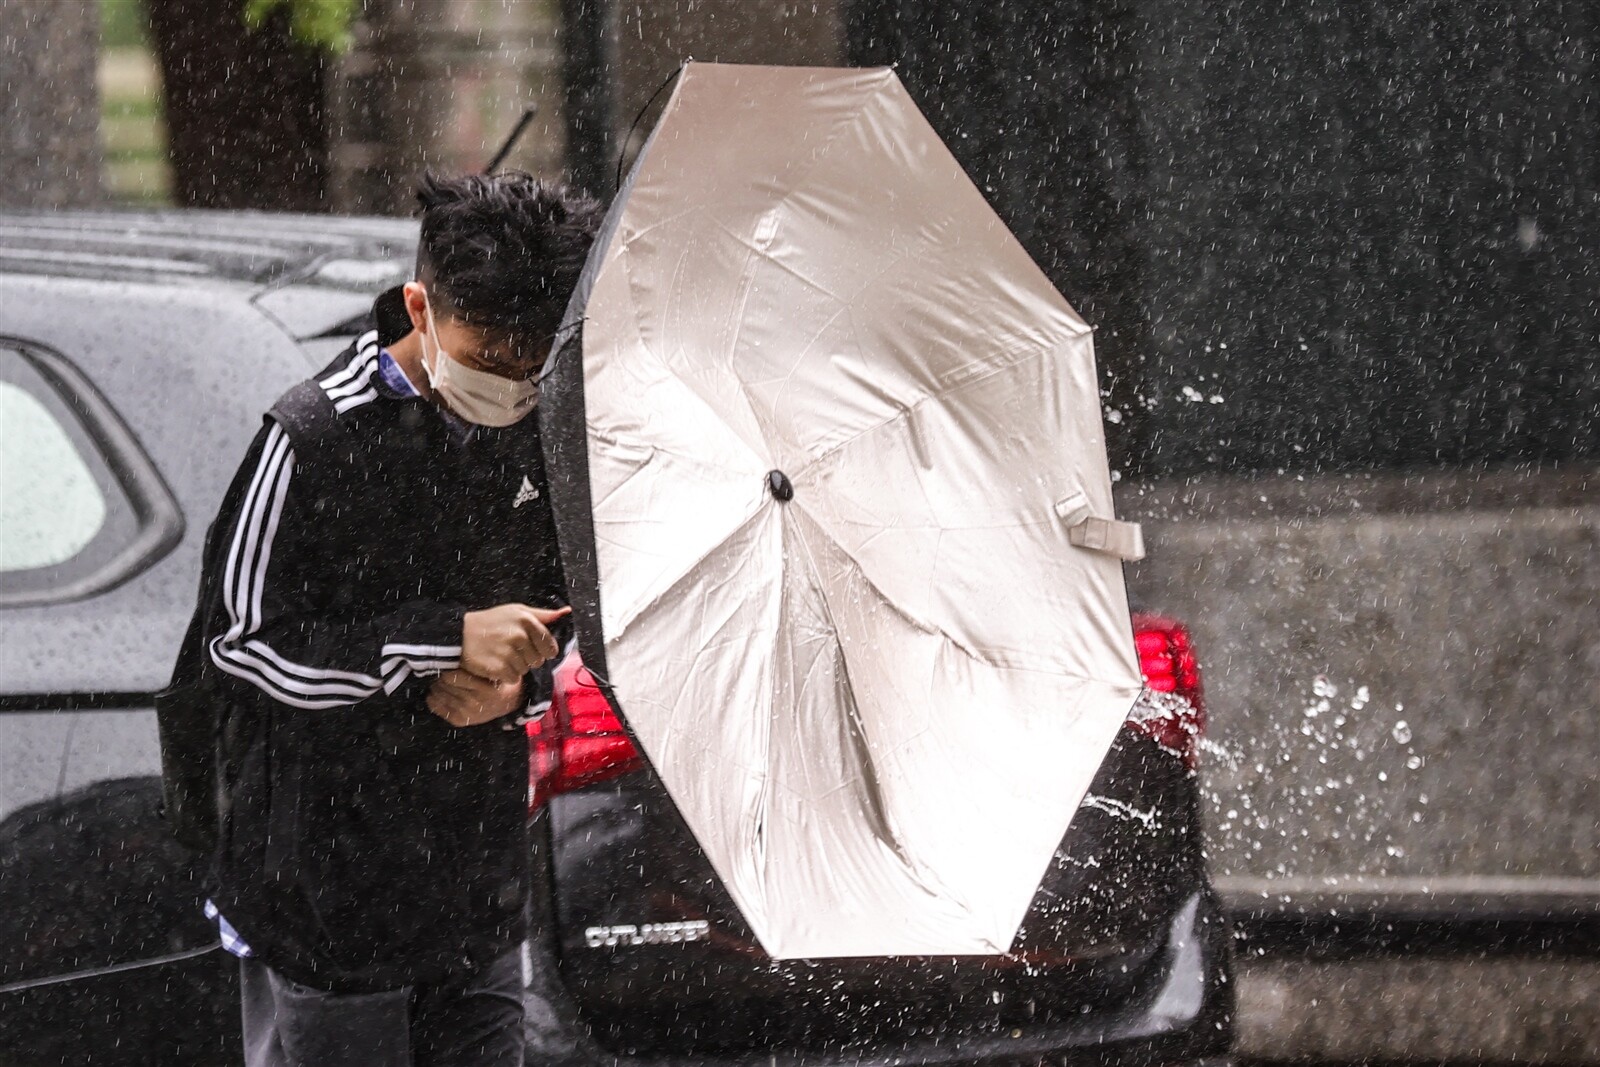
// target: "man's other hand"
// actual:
[[462, 698], [503, 643]]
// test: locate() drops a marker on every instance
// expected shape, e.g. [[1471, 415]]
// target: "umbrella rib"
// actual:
[[1020, 355], [877, 813], [622, 246], [787, 268], [992, 657], [747, 281], [637, 319], [844, 307], [678, 579], [746, 285], [688, 458]]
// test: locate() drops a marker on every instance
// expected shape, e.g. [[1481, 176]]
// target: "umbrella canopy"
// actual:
[[833, 500]]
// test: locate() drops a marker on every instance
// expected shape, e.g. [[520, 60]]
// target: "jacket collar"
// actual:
[[389, 312]]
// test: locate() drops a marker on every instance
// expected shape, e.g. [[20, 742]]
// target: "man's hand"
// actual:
[[461, 698], [503, 643]]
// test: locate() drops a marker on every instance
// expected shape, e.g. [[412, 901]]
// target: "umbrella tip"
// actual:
[[779, 486]]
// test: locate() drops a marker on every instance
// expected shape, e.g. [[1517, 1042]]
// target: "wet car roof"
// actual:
[[255, 249]]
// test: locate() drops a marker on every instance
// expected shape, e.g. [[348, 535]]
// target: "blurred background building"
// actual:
[[1391, 199], [410, 84], [439, 85]]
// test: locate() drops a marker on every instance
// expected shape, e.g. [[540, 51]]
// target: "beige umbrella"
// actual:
[[833, 498]]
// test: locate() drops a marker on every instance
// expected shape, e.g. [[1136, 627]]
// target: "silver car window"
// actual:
[[81, 507], [50, 506]]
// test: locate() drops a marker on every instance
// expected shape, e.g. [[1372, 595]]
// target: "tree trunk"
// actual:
[[50, 140], [245, 111]]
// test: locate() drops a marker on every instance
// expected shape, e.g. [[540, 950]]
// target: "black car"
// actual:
[[137, 353]]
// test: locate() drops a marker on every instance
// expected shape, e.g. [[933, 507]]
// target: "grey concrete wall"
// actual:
[[1402, 674], [50, 139], [1420, 1011], [1403, 680]]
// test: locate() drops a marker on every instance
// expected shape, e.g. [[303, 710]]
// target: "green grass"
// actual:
[[135, 110], [124, 24], [133, 133]]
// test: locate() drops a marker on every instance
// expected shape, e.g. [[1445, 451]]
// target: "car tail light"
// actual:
[[1173, 713], [579, 741]]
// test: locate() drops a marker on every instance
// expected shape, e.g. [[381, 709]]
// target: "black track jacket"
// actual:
[[365, 843]]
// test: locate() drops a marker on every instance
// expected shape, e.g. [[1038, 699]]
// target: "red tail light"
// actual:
[[579, 741], [1175, 716]]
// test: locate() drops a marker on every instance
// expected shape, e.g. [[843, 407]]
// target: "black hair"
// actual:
[[502, 253]]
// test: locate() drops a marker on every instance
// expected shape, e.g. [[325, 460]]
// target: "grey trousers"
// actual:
[[477, 1022]]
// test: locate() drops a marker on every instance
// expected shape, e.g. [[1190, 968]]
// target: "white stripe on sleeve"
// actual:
[[244, 582], [266, 471], [244, 585], [419, 659]]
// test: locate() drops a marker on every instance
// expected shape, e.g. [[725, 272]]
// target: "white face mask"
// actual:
[[477, 396]]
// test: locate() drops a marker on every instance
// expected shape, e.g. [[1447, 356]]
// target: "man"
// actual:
[[391, 581]]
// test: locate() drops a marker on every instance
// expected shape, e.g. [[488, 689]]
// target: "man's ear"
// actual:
[[391, 317], [417, 305]]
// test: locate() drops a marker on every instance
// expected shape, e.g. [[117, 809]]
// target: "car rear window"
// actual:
[[81, 507], [50, 507]]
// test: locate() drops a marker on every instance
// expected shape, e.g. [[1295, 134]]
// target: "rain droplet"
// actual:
[[1402, 732], [1528, 234]]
